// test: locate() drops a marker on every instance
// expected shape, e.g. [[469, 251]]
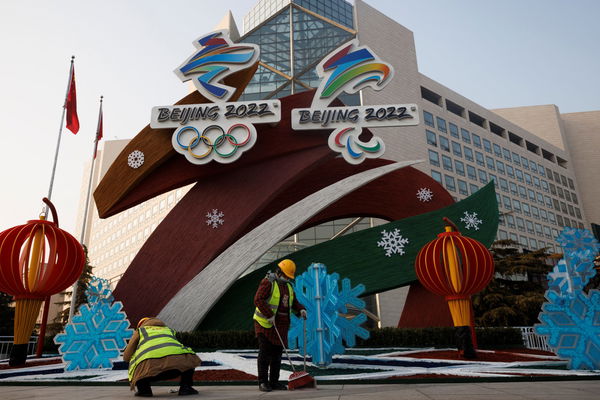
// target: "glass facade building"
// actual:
[[292, 41]]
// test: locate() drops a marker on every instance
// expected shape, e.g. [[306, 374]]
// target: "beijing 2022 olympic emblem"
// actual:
[[350, 68], [221, 130]]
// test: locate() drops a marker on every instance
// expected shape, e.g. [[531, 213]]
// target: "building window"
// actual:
[[513, 188], [487, 146], [444, 144], [516, 205], [526, 209], [447, 163], [482, 176], [462, 187], [531, 194], [466, 137], [510, 171], [436, 176], [468, 153], [456, 149], [476, 140], [516, 159], [479, 158], [525, 162], [510, 221], [520, 224], [497, 150], [506, 201], [506, 153], [459, 167], [543, 215], [441, 124], [535, 211], [489, 161], [529, 225], [519, 174], [536, 181], [471, 172], [473, 188], [434, 158], [503, 184], [500, 166], [450, 185], [453, 130], [431, 138], [428, 117], [571, 184], [533, 166]]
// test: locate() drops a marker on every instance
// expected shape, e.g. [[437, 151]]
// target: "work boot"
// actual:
[[278, 386], [187, 390], [264, 387]]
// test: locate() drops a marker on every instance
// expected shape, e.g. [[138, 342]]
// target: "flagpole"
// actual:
[[62, 120], [87, 203]]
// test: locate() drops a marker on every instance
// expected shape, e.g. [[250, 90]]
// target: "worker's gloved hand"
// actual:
[[271, 319], [303, 313]]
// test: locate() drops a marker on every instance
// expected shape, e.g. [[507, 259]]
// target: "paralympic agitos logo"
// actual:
[[219, 131], [351, 68]]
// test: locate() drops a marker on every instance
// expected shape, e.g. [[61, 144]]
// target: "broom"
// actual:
[[298, 379]]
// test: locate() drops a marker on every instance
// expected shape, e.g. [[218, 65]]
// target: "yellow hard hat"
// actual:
[[288, 267]]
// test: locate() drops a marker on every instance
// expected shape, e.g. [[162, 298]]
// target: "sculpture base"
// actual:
[[464, 342], [18, 355]]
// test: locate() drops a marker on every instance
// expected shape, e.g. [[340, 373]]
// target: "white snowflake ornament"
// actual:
[[424, 195], [215, 218], [471, 221], [392, 242], [135, 159]]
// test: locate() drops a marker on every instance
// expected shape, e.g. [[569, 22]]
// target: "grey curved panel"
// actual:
[[190, 305]]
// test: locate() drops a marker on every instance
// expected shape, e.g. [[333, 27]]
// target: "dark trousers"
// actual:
[[187, 379], [269, 360]]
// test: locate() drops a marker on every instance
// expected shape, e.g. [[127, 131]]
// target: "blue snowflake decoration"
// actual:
[[327, 330], [571, 325], [98, 290], [97, 333], [570, 319], [572, 273], [573, 240]]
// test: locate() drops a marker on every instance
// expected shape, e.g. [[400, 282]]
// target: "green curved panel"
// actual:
[[358, 257]]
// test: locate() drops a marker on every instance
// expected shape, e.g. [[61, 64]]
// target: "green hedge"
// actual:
[[487, 338]]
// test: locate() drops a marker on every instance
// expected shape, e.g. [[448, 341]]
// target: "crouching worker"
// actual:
[[274, 301], [154, 354]]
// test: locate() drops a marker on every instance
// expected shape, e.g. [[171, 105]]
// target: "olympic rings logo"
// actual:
[[214, 142]]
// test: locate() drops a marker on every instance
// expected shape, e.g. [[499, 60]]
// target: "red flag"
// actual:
[[99, 128], [71, 104]]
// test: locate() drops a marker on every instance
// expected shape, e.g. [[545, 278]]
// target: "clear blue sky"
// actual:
[[498, 54]]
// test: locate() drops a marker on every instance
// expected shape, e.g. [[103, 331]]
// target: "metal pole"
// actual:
[[62, 120], [85, 213]]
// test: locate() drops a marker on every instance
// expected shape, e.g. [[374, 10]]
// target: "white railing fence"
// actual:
[[6, 343], [531, 340]]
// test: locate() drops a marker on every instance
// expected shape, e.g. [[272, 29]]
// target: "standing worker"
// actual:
[[154, 354], [274, 301]]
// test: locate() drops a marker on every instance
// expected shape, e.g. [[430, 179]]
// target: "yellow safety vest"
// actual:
[[274, 303], [156, 342]]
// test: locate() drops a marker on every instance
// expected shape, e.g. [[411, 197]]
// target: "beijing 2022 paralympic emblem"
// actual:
[[350, 68], [221, 130]]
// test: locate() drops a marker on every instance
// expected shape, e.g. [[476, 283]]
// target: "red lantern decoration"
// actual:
[[456, 267], [37, 260]]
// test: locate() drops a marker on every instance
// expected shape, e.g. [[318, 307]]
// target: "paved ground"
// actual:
[[561, 390]]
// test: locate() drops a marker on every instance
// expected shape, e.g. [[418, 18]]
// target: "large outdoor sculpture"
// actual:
[[37, 260], [570, 319], [456, 267]]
